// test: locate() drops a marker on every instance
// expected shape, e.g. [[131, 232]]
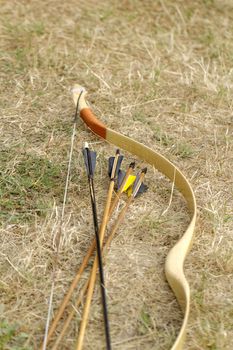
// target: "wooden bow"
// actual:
[[174, 266]]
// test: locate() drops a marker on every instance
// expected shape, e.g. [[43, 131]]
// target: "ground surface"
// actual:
[[160, 72]]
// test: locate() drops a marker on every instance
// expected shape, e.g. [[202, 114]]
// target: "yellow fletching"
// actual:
[[130, 191], [129, 184]]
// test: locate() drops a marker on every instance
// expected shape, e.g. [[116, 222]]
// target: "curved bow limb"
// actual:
[[174, 266]]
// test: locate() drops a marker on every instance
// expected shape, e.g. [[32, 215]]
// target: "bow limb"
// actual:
[[174, 266]]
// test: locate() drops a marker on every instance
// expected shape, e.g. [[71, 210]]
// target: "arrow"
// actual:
[[85, 261], [115, 167], [90, 162], [106, 246]]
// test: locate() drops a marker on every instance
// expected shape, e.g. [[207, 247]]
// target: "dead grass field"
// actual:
[[162, 73]]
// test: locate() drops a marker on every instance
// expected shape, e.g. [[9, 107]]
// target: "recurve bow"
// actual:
[[174, 265]]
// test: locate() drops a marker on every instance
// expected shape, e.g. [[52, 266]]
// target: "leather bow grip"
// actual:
[[86, 113]]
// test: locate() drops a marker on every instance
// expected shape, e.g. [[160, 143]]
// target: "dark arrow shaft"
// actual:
[[99, 253]]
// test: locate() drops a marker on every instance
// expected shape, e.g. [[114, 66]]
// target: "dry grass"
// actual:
[[161, 72]]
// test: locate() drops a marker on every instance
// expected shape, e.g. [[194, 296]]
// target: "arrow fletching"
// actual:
[[121, 177], [138, 187], [118, 165], [89, 160], [129, 183], [142, 189]]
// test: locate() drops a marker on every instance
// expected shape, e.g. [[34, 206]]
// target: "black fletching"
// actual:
[[120, 178], [143, 188], [90, 161], [110, 165]]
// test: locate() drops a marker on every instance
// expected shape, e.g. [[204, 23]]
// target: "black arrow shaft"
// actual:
[[99, 251]]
